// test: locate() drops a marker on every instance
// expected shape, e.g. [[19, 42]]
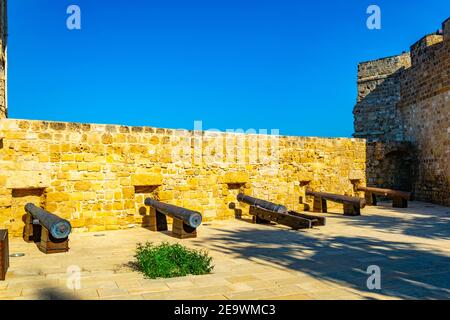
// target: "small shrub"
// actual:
[[171, 260]]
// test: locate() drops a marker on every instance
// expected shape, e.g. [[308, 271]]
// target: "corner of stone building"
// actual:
[[446, 30], [420, 49], [375, 113]]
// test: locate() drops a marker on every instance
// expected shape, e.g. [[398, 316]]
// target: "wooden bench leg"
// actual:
[[399, 202], [320, 205], [351, 210]]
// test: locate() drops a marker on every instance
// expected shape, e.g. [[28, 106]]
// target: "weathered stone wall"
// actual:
[[3, 41], [408, 105], [425, 108], [377, 117], [98, 175], [391, 165]]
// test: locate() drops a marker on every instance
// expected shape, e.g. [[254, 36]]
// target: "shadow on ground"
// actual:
[[407, 272], [423, 224], [55, 294]]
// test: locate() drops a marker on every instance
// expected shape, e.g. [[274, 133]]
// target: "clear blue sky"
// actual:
[[278, 64]]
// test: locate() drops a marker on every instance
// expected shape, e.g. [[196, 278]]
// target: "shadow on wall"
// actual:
[[390, 160], [344, 260], [391, 165]]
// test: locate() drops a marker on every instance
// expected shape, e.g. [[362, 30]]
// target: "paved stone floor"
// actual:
[[411, 247]]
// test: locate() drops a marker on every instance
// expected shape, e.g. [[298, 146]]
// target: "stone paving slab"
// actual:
[[411, 246]]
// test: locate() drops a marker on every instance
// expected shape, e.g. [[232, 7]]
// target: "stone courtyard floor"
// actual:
[[411, 247]]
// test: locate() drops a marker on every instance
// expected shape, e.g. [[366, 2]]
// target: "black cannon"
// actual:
[[263, 204], [47, 229], [264, 212], [185, 221]]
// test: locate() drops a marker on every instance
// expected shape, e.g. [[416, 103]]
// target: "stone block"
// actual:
[[28, 179], [240, 177], [146, 179]]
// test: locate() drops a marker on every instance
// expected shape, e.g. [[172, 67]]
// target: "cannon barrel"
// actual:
[[191, 218], [387, 192], [58, 227], [361, 202], [263, 204]]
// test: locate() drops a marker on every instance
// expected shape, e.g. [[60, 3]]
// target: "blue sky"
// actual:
[[279, 64]]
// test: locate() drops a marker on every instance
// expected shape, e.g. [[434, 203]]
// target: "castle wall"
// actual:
[[98, 175], [403, 103], [425, 108], [376, 114]]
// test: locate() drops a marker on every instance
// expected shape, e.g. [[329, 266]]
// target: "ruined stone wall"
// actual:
[[403, 101], [98, 175], [3, 41]]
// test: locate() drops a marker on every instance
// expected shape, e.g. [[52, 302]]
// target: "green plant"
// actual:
[[171, 260]]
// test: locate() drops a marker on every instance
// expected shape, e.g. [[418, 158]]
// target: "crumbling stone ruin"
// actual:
[[403, 111]]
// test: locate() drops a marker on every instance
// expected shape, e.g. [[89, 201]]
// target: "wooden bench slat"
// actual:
[[338, 198], [387, 192], [400, 198]]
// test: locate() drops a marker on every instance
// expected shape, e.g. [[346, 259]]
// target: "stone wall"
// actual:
[[404, 100], [377, 117], [425, 108], [98, 175], [3, 41]]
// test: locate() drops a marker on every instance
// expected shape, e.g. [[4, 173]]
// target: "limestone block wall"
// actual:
[[409, 105], [391, 165], [425, 108], [97, 176]]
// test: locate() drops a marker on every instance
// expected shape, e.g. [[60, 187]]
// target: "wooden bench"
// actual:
[[352, 205], [400, 198], [4, 254]]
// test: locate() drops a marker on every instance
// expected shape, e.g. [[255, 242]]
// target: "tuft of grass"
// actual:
[[171, 260]]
